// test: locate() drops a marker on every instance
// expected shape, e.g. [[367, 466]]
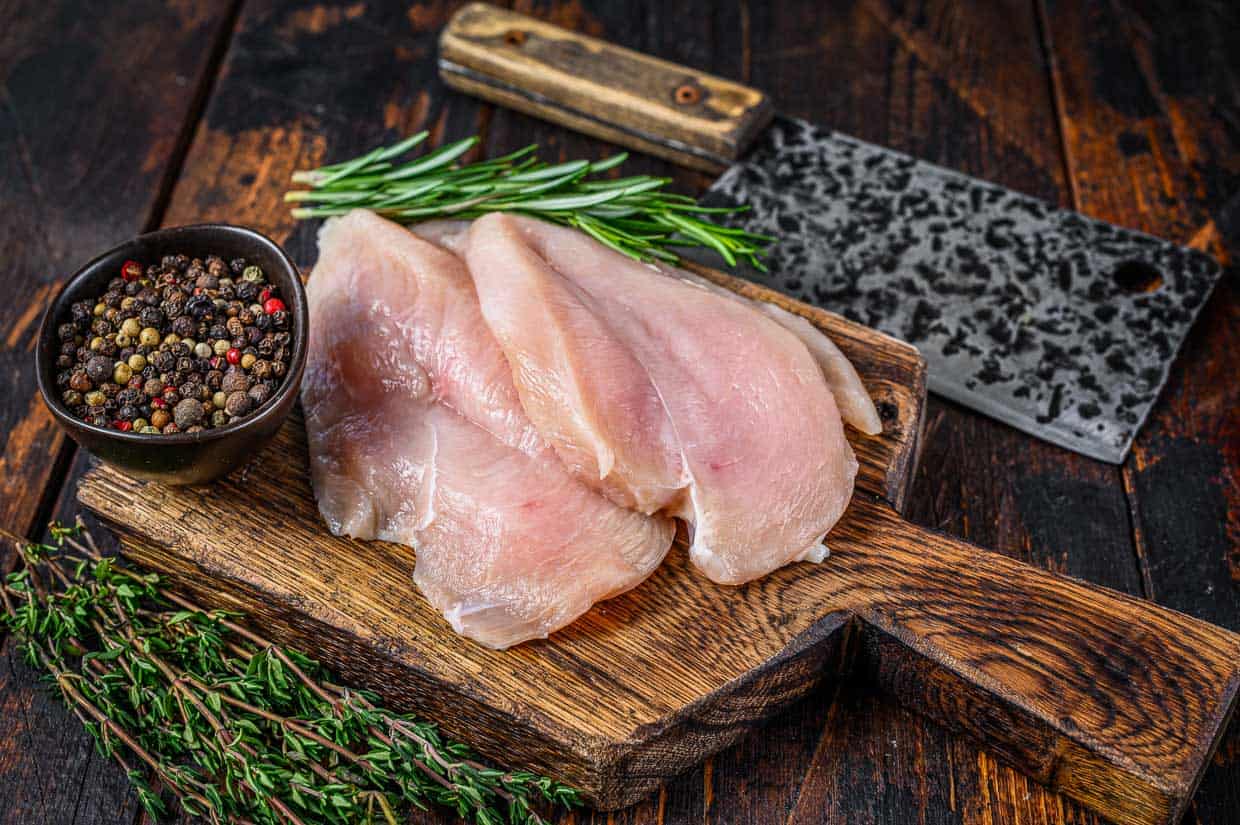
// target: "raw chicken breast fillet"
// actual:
[[417, 435], [666, 396]]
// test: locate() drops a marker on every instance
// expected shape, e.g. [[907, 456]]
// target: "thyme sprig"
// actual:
[[633, 215], [240, 730]]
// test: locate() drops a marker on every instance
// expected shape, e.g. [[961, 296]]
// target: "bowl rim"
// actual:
[[270, 408]]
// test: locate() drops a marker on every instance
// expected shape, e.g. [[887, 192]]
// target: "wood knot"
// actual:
[[687, 94], [514, 37]]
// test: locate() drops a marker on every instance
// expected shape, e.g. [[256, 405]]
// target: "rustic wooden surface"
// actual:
[[1128, 111], [1116, 701]]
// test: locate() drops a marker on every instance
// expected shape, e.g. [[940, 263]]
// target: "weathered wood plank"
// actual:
[[1150, 97], [965, 87], [298, 78], [91, 112], [92, 107]]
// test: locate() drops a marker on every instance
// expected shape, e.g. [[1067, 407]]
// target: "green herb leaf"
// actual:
[[570, 194]]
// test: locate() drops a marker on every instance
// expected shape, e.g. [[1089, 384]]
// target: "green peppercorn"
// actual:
[[123, 340], [95, 398], [149, 337], [150, 430], [203, 350], [131, 326], [253, 274], [219, 418], [248, 360], [96, 344], [137, 362], [172, 338], [139, 424], [219, 399], [99, 308], [122, 373], [221, 347]]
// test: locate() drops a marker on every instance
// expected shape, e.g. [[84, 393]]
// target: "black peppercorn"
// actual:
[[151, 317], [63, 362], [188, 412], [99, 368], [184, 326], [77, 381], [259, 393], [200, 307], [81, 314], [238, 404], [165, 361], [72, 398], [234, 380]]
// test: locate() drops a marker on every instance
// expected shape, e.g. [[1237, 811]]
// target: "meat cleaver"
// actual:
[[1060, 325]]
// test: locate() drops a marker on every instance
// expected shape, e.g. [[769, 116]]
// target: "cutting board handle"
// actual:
[[1112, 700], [592, 86]]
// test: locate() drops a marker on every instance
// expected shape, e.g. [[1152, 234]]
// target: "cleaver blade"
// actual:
[[1062, 326]]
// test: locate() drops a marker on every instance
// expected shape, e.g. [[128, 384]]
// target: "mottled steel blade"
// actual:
[[1062, 326]]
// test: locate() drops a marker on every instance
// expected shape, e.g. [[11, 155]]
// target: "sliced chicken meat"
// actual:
[[417, 435], [854, 402], [667, 396]]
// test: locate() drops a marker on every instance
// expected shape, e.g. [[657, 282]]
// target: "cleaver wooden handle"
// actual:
[[1112, 700], [589, 85]]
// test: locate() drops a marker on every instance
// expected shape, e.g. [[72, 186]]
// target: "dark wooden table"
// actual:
[[116, 117]]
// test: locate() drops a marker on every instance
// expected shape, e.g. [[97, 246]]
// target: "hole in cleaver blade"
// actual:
[[1057, 324]]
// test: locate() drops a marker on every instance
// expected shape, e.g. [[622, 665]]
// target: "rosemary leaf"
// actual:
[[635, 216]]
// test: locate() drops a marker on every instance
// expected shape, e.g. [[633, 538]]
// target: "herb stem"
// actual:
[[239, 729], [572, 194]]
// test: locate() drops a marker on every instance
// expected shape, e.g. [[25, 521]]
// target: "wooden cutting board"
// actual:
[[1112, 700]]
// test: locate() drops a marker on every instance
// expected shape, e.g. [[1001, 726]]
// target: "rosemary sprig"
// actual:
[[633, 215], [238, 729]]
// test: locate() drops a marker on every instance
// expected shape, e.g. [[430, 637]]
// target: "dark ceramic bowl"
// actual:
[[183, 458]]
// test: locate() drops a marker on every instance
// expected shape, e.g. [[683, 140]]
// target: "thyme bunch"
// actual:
[[192, 702], [633, 215]]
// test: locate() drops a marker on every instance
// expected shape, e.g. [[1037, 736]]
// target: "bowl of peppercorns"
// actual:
[[177, 355]]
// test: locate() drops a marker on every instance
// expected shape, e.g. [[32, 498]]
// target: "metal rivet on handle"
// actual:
[[687, 94]]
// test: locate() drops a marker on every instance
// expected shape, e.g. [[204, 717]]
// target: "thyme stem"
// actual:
[[238, 729]]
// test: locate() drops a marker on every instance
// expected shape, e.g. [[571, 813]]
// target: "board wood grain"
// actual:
[[1114, 701]]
